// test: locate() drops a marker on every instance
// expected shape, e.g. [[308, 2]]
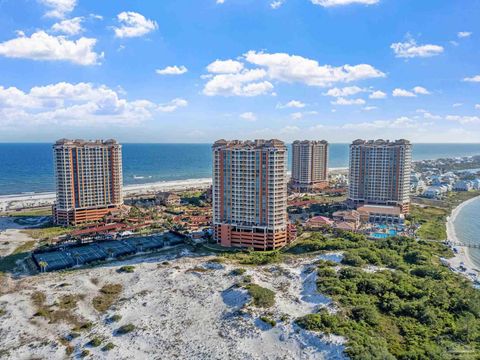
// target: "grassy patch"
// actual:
[[109, 346], [239, 271], [125, 329], [95, 341], [108, 295], [255, 258], [46, 211], [126, 269], [26, 247], [268, 321], [52, 315], [419, 310], [47, 233], [262, 297]]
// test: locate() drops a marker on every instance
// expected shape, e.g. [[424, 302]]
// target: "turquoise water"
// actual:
[[390, 233], [29, 168], [467, 228]]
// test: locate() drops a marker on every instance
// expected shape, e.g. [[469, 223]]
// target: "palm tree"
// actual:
[[43, 265]]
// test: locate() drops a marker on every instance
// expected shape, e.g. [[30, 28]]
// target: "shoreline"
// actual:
[[13, 202], [462, 257]]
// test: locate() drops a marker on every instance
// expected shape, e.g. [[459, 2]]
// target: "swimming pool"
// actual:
[[382, 235]]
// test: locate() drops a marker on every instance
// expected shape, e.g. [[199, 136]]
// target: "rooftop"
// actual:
[[381, 142], [81, 142], [313, 142], [249, 144]]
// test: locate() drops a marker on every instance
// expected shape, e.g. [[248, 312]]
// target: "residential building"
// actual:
[[309, 165], [168, 199], [379, 173], [463, 185], [88, 176], [250, 194]]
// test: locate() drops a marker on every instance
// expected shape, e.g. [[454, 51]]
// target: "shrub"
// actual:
[[268, 321], [238, 272], [115, 318], [125, 329], [366, 313], [109, 346], [84, 353], [353, 260], [108, 295], [126, 269], [262, 297], [95, 342]]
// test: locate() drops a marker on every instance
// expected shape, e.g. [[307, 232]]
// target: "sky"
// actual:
[[193, 71]]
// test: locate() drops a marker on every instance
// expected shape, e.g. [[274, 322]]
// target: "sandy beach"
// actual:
[[22, 201], [462, 256]]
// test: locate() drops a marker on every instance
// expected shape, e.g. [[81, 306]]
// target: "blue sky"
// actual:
[[198, 70]]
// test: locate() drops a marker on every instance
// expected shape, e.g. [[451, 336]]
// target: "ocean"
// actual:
[[26, 168], [467, 228]]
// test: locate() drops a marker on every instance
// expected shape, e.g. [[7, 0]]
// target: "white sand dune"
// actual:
[[178, 313]]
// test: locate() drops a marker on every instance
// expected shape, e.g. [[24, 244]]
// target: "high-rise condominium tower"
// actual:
[[380, 173], [250, 193], [88, 178], [309, 165]]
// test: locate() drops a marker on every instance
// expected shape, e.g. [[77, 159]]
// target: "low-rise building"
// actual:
[[348, 216], [463, 185], [318, 222], [376, 214], [168, 199]]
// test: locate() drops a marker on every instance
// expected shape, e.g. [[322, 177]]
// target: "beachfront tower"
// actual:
[[88, 177], [250, 194], [379, 173], [309, 165]]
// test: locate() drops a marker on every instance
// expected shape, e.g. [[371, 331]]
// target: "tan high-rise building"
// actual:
[[309, 165], [88, 178], [379, 173], [250, 194]]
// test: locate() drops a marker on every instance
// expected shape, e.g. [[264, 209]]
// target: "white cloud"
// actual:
[[421, 90], [410, 49], [172, 105], [343, 92], [276, 4], [477, 106], [464, 34], [70, 26], [370, 108], [82, 104], [377, 95], [464, 120], [294, 68], [475, 78], [59, 8], [245, 83], [220, 1], [457, 105], [292, 104], [403, 93], [296, 116], [42, 46], [248, 116], [172, 70], [332, 3], [133, 24], [399, 123], [346, 102], [225, 67]]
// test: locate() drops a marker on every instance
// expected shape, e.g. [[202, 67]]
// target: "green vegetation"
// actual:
[[262, 297], [25, 247], [2, 312], [84, 353], [47, 232], [432, 215], [268, 321], [239, 271], [9, 262], [417, 309], [68, 301], [115, 318], [109, 346], [255, 258], [126, 269], [62, 314], [95, 341], [45, 211], [125, 329], [108, 295]]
